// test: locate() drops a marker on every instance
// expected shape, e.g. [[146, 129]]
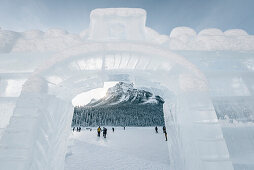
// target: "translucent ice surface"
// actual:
[[41, 72]]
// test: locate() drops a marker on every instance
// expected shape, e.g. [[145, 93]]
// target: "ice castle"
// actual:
[[41, 72]]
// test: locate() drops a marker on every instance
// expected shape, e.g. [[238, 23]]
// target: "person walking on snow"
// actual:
[[99, 131], [165, 132], [113, 129], [104, 132], [156, 129], [166, 136], [164, 129]]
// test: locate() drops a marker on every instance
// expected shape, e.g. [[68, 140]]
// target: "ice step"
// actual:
[[216, 158], [8, 99], [26, 116], [202, 109], [212, 121], [5, 147], [13, 159], [8, 130], [14, 152], [211, 139], [17, 75]]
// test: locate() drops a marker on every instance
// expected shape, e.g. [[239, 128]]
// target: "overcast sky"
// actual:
[[84, 98], [162, 15]]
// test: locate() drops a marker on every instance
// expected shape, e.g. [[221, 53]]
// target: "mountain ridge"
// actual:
[[124, 93]]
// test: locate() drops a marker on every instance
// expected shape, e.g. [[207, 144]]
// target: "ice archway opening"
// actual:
[[44, 110]]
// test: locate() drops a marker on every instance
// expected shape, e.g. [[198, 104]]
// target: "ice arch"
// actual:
[[38, 130]]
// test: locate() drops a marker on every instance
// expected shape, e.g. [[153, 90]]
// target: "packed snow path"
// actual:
[[133, 148]]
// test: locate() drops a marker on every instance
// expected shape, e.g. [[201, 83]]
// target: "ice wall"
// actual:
[[129, 25], [229, 75], [15, 69], [32, 140], [7, 107], [117, 24], [137, 60], [184, 38], [52, 40]]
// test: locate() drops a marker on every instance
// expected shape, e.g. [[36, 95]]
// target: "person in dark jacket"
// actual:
[[113, 129], [165, 132], [104, 132], [164, 129], [166, 136], [156, 129]]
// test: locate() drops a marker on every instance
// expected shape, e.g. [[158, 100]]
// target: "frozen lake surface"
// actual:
[[133, 148]]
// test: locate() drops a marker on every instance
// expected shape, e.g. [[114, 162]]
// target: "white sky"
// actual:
[[86, 97]]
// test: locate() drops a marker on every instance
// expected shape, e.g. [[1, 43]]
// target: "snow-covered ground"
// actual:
[[141, 148], [133, 148]]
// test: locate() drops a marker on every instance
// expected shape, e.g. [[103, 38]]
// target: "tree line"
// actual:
[[119, 115]]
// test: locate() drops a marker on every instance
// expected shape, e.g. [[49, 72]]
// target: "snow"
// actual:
[[236, 32], [155, 37], [32, 34], [151, 100], [141, 148], [211, 32], [183, 33], [134, 148], [184, 38], [36, 40]]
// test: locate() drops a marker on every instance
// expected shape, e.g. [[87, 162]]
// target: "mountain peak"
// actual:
[[121, 87], [125, 93]]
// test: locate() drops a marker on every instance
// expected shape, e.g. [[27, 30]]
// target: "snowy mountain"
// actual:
[[123, 105], [124, 93]]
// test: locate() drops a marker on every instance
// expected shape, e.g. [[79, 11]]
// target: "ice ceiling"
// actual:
[[40, 73]]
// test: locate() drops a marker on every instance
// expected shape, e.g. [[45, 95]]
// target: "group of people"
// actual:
[[164, 131], [78, 129], [104, 131]]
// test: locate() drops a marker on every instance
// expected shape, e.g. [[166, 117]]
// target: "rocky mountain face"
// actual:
[[124, 93]]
